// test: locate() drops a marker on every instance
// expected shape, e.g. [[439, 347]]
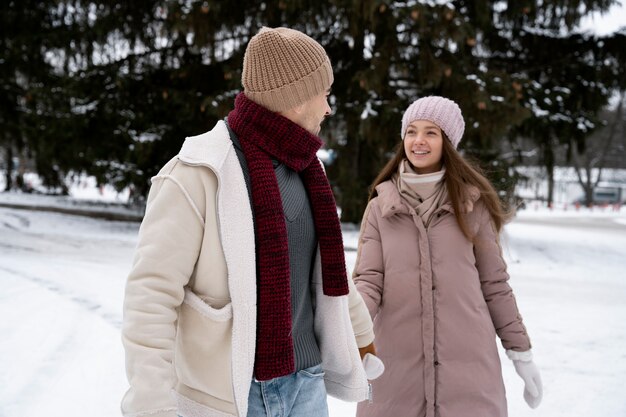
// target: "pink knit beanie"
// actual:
[[441, 111]]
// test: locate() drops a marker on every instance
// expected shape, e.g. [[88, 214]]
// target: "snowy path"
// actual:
[[61, 306], [63, 280]]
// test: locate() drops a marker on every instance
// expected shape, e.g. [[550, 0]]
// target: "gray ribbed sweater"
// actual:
[[302, 243]]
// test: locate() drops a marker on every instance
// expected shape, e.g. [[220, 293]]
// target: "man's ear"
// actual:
[[293, 113], [299, 109]]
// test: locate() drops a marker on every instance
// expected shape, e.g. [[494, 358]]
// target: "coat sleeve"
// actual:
[[169, 242], [494, 278], [368, 272], [359, 316]]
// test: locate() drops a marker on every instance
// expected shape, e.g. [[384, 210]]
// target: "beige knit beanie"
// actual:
[[283, 68]]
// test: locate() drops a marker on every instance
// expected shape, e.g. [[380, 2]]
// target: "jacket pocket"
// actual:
[[313, 372], [204, 347]]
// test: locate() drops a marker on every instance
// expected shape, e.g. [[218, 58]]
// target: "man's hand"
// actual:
[[372, 364], [367, 349]]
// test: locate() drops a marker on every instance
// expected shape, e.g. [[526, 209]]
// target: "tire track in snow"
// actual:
[[90, 306], [50, 335]]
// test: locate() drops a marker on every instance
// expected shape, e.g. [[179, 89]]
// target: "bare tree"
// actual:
[[598, 150]]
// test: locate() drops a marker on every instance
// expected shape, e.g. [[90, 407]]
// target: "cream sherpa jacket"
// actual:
[[190, 305]]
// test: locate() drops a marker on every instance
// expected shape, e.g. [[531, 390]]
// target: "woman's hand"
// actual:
[[528, 371]]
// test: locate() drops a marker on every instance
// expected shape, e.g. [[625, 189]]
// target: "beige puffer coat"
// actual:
[[438, 302]]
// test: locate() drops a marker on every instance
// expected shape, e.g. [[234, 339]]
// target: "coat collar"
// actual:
[[195, 149], [391, 202]]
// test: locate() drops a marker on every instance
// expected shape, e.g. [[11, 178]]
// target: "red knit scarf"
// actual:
[[264, 135]]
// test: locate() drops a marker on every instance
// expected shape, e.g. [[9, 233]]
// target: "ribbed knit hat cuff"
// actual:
[[291, 95]]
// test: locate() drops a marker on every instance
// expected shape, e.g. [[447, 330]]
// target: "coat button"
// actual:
[[393, 207], [434, 288], [436, 363]]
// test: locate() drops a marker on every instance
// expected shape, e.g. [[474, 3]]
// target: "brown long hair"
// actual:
[[460, 173]]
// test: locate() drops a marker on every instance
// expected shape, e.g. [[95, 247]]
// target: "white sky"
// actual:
[[604, 24]]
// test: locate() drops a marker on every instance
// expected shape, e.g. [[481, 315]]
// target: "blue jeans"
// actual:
[[301, 394]]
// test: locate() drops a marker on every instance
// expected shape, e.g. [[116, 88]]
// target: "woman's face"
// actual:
[[423, 143]]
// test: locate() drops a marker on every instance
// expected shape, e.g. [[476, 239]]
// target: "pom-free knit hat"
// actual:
[[283, 68], [443, 112]]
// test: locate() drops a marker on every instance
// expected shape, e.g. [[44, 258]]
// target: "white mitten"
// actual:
[[374, 367], [528, 371]]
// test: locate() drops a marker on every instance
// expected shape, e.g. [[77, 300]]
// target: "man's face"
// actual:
[[311, 113]]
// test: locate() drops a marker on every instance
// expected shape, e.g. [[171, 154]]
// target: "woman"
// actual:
[[430, 269]]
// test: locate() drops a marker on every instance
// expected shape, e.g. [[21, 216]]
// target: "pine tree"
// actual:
[[112, 88], [22, 70]]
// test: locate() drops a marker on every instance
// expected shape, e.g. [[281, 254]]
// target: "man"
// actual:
[[238, 302]]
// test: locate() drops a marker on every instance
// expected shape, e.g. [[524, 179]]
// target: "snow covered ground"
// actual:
[[62, 288]]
